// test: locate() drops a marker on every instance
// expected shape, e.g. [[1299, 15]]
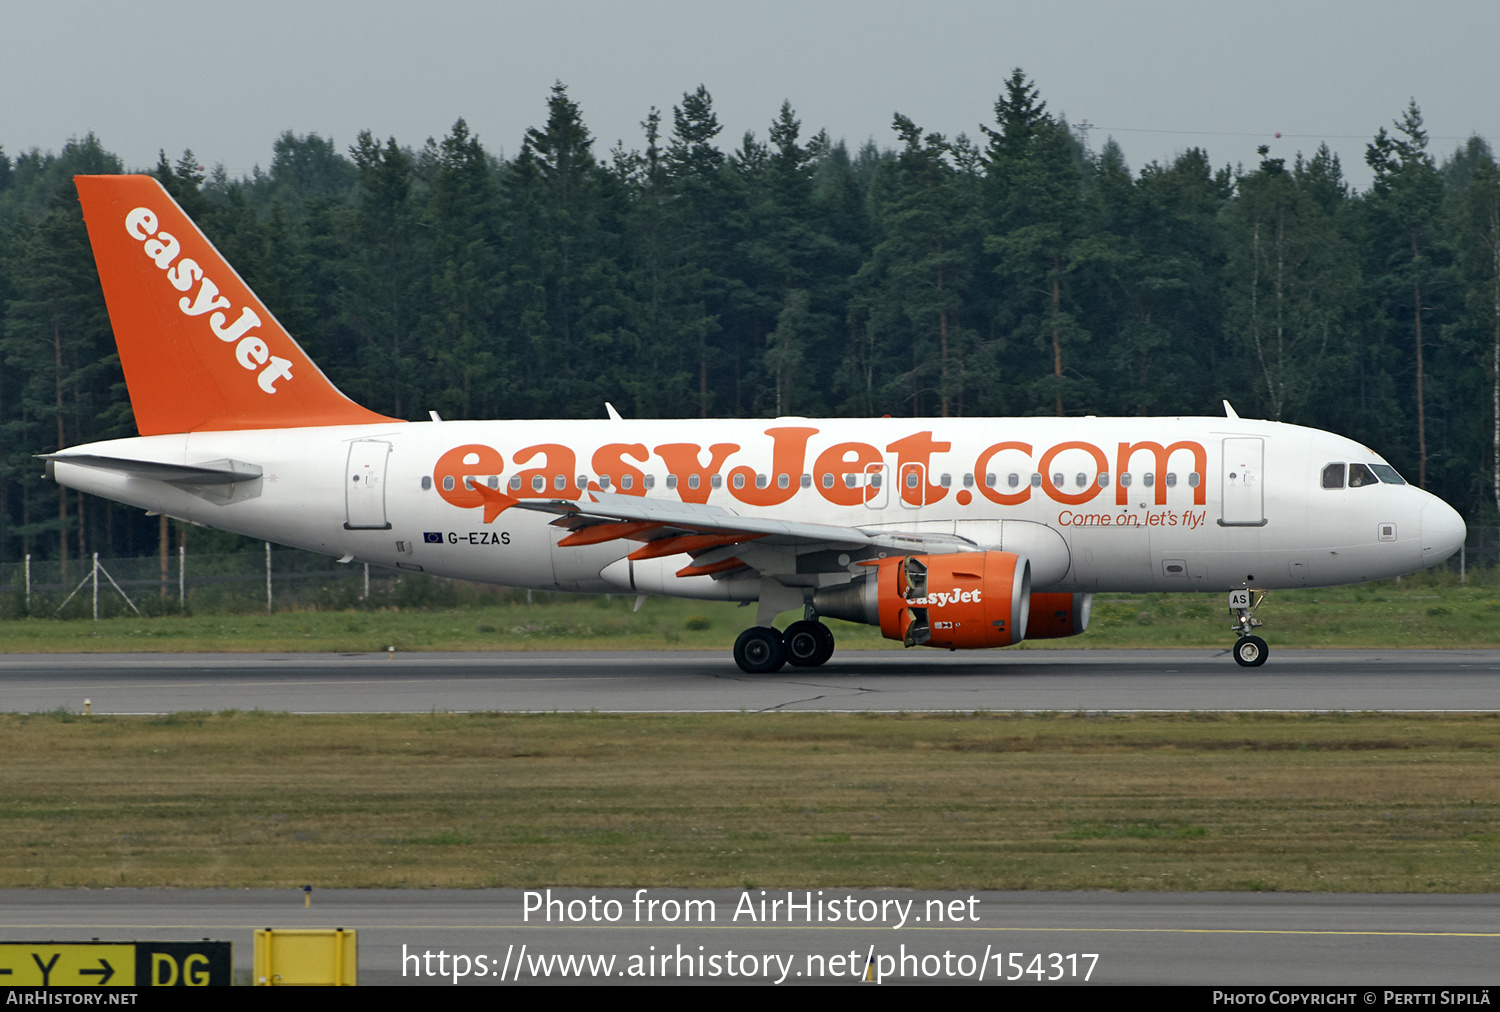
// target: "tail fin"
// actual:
[[200, 351]]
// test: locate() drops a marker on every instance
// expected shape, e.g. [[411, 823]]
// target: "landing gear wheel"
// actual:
[[825, 650], [808, 644], [759, 651], [1251, 652]]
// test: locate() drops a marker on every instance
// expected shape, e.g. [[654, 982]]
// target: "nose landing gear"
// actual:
[[1249, 651], [762, 650]]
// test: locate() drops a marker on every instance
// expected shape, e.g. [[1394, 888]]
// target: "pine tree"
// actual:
[[1404, 203], [1290, 285], [1036, 233], [1475, 227]]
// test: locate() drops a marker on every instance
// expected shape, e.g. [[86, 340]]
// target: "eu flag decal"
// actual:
[[432, 537]]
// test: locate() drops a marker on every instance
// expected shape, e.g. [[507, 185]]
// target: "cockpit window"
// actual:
[[1360, 475], [1387, 474], [1333, 476]]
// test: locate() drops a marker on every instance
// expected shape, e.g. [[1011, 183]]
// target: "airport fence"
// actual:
[[275, 579], [286, 579], [1478, 561]]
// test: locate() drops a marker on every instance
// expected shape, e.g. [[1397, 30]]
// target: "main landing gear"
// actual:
[[1249, 651], [762, 650]]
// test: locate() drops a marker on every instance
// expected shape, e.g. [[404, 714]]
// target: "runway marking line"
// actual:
[[284, 683]]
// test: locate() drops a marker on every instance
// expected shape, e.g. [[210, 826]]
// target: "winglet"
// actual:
[[199, 350], [1229, 410]]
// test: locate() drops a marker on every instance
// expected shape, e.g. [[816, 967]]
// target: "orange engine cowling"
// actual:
[[1054, 616], [961, 601]]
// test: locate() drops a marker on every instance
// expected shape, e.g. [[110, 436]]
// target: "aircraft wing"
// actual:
[[719, 540]]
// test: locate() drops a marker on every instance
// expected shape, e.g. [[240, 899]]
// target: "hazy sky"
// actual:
[[226, 79]]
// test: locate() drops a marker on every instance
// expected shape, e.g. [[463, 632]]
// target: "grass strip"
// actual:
[[1366, 803], [1414, 613]]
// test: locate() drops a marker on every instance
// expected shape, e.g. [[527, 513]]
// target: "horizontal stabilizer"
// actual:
[[211, 472]]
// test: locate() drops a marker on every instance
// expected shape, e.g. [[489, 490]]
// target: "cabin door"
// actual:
[[1243, 489], [364, 486]]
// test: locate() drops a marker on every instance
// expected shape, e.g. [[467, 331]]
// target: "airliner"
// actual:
[[956, 533]]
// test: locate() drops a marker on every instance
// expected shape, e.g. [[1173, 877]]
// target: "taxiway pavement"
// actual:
[[1052, 680], [1218, 939]]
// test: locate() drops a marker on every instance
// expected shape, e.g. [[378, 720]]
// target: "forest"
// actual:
[[1016, 272]]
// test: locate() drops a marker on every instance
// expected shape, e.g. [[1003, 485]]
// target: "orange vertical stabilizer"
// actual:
[[200, 351]]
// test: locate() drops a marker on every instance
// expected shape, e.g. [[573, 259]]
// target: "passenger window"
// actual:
[[1333, 476], [1081, 480], [1360, 476], [649, 481], [448, 483], [760, 481], [1013, 480], [604, 481], [849, 481], [426, 482], [1193, 479], [946, 481], [583, 481], [1036, 481], [911, 479], [807, 481], [515, 483], [968, 481], [828, 480], [783, 481], [694, 481], [538, 483], [1124, 479], [717, 481], [1057, 480], [1103, 479], [875, 479], [672, 481], [626, 481], [1150, 479], [560, 482], [739, 480], [1171, 479]]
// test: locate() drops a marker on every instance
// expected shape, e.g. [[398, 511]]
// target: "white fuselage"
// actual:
[[1211, 504]]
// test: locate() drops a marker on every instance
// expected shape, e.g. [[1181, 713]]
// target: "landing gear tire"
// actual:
[[759, 651], [1251, 652], [808, 644]]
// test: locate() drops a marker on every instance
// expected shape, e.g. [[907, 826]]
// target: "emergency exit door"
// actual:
[[364, 486]]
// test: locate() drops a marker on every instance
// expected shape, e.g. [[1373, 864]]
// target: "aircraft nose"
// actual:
[[1443, 531]]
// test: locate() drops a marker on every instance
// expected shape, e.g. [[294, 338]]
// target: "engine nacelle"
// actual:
[[1054, 616], [960, 601]]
